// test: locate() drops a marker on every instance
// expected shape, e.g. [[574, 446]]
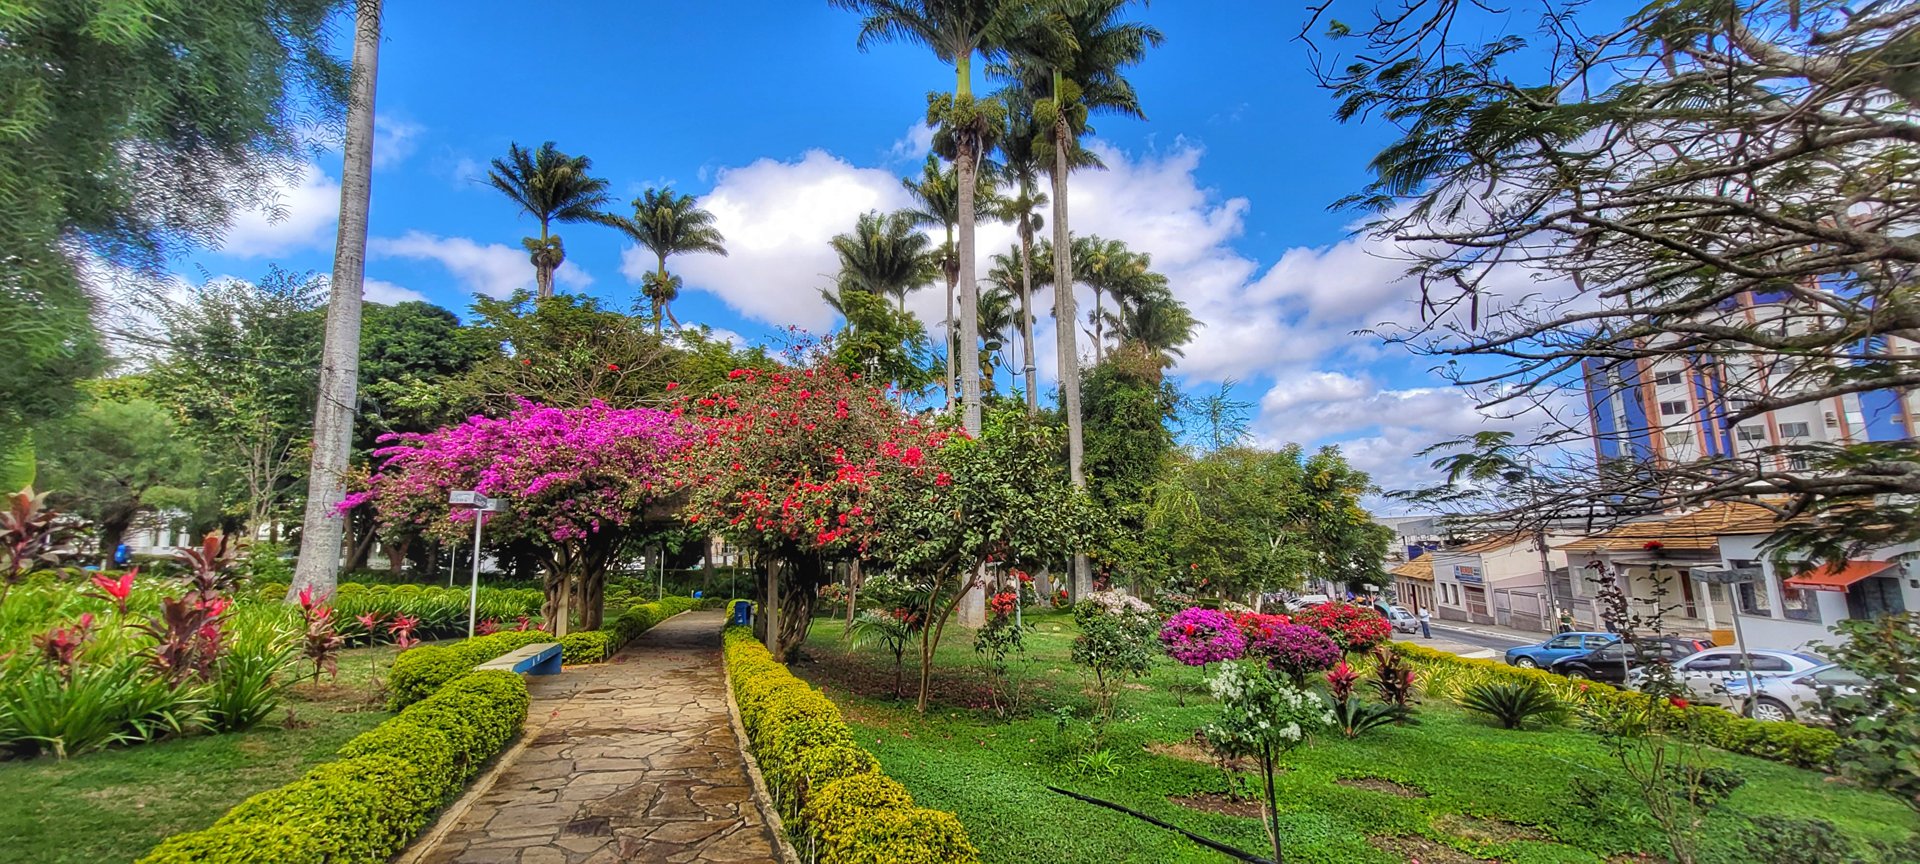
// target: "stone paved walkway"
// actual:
[[633, 760]]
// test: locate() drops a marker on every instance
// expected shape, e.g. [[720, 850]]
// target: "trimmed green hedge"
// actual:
[[420, 671], [1792, 743], [368, 805], [830, 791]]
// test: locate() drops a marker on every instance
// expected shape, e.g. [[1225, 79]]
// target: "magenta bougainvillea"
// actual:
[[566, 473], [1198, 636], [574, 481], [1295, 650]]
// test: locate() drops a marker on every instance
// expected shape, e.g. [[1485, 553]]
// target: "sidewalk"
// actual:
[[633, 760]]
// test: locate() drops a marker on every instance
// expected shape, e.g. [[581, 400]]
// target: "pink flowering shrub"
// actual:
[[1296, 650], [1198, 636]]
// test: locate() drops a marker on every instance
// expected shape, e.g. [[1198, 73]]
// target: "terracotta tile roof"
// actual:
[[1497, 541], [1693, 532], [1419, 569]]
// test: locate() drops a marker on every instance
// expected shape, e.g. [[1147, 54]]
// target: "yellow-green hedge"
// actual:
[[1792, 743], [830, 791], [368, 805], [420, 671]]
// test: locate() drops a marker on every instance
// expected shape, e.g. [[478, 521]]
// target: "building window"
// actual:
[[1832, 421], [1751, 433], [1752, 596], [1793, 430], [1799, 604], [1666, 378], [1796, 463], [1671, 408], [1679, 438]]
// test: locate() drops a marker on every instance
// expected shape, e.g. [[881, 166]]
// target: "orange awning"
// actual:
[[1831, 578]]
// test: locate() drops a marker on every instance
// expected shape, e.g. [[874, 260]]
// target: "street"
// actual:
[[1454, 634]]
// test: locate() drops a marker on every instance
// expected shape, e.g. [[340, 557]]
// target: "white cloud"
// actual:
[[912, 146], [298, 213], [380, 291], [394, 140], [493, 269], [777, 218]]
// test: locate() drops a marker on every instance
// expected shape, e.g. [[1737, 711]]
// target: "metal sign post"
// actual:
[[481, 505], [1730, 578]]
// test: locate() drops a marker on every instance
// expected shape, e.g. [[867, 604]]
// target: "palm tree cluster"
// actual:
[[1062, 62], [553, 187]]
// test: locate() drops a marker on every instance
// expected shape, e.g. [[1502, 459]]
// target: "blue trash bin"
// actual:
[[742, 613]]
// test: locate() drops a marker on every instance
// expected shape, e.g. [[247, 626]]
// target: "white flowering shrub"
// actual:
[[1118, 603], [1262, 716]]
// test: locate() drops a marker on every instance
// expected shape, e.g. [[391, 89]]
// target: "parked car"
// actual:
[[1563, 645], [1794, 696], [1402, 620], [1704, 676], [1606, 664], [1305, 600]]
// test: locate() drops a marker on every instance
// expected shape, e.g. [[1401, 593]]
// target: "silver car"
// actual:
[[1704, 676], [1795, 696], [1402, 620]]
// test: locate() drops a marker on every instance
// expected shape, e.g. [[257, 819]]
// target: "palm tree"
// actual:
[[1110, 268], [1153, 322], [955, 30], [667, 224], [936, 192], [997, 305], [552, 187], [1021, 170], [886, 255], [1079, 77], [318, 567]]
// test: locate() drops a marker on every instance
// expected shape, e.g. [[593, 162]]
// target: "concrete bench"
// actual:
[[539, 658]]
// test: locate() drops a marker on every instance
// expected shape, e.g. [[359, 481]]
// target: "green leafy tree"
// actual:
[[883, 256], [240, 370], [565, 352], [1242, 521], [1000, 497], [882, 340], [1879, 725], [667, 224], [409, 354], [117, 459], [1020, 169], [134, 131], [1128, 445], [551, 187]]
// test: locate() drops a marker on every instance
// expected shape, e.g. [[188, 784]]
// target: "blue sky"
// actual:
[[769, 112]]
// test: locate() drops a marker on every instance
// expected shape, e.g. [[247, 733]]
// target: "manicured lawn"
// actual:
[[1492, 793], [112, 806]]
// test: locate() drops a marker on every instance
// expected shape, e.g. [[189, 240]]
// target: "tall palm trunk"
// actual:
[[967, 168], [322, 527], [542, 268], [1065, 318], [1099, 325], [1026, 311], [659, 297], [950, 268]]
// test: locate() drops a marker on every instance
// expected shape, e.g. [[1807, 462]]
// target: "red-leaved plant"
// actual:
[[186, 637], [115, 590], [402, 631], [29, 538], [60, 647], [321, 641]]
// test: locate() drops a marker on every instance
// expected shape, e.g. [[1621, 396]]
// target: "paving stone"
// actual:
[[630, 762]]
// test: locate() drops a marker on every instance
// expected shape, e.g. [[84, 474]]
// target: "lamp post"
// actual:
[[481, 506], [1730, 578]]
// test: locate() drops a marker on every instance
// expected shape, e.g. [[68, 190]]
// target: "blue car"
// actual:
[[1563, 645]]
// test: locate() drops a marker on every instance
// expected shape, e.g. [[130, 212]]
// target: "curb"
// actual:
[[762, 800]]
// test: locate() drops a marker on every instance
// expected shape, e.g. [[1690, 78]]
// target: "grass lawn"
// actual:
[[1483, 793], [112, 806]]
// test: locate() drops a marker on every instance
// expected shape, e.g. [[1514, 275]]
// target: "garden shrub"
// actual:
[[847, 811], [1791, 743], [368, 805]]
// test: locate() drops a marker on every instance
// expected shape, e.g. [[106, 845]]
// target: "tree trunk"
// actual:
[[396, 554], [320, 532], [1026, 313], [965, 169], [950, 268], [1065, 316], [853, 592]]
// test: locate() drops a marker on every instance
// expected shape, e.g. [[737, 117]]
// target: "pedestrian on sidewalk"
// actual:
[[1566, 620], [1426, 624]]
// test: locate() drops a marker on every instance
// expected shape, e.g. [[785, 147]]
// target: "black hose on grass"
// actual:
[[1215, 845]]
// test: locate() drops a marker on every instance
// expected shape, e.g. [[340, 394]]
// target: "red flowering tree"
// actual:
[[577, 482], [792, 463], [1355, 628]]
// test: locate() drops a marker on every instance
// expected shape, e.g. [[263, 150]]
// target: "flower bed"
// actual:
[[1792, 743], [422, 670], [368, 805], [441, 612], [836, 802]]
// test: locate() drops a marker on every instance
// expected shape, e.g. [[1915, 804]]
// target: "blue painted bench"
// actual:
[[539, 658]]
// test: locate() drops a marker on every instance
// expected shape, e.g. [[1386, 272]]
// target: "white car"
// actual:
[[1305, 600], [1402, 620], [1796, 696], [1704, 676]]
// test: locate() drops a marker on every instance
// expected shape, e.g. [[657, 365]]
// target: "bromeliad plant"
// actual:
[[30, 538], [321, 642], [1351, 714]]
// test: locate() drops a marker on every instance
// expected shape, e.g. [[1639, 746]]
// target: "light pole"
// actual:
[[481, 506], [1730, 578]]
